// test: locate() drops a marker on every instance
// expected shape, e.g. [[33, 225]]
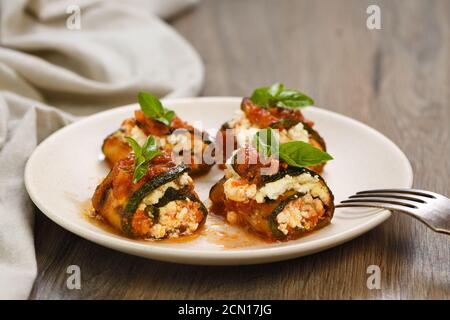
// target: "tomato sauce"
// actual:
[[267, 117], [157, 128], [122, 174], [249, 165]]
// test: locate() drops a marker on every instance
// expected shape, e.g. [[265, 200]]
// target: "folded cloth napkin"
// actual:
[[73, 54]]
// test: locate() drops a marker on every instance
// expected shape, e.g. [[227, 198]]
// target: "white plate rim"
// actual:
[[229, 256]]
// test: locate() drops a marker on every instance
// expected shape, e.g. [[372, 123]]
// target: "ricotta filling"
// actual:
[[138, 135], [236, 189], [291, 217], [178, 141], [245, 133], [176, 218], [176, 215]]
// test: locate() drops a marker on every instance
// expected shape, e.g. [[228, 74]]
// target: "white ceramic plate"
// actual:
[[63, 171]]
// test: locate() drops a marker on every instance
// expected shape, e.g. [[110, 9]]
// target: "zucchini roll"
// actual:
[[186, 143], [289, 121], [280, 205], [162, 204]]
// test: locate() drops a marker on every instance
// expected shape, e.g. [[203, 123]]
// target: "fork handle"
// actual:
[[438, 219]]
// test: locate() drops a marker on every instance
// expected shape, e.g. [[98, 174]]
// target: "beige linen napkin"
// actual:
[[49, 57]]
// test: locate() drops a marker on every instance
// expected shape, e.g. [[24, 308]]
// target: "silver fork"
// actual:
[[428, 207]]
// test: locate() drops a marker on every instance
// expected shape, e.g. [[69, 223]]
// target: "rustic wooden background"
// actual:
[[396, 80]]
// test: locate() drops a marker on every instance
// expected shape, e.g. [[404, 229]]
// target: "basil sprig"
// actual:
[[295, 153], [266, 142], [302, 154], [278, 95], [153, 108], [142, 155]]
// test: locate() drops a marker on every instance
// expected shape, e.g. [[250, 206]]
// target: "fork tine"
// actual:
[[386, 206], [368, 204], [416, 192], [433, 210], [387, 195], [384, 201]]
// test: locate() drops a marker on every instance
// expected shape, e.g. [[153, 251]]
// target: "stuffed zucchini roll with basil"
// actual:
[[146, 195], [284, 203], [186, 143], [273, 107]]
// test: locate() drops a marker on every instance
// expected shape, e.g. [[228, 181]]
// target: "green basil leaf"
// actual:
[[293, 99], [150, 105], [261, 97], [150, 149], [139, 160], [266, 141], [140, 171], [153, 108], [163, 120], [152, 154], [276, 89], [169, 115], [135, 146], [149, 144], [278, 95], [302, 154], [142, 155]]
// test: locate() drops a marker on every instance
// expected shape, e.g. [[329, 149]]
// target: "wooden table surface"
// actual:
[[396, 80]]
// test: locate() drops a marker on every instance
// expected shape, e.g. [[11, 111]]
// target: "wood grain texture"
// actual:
[[395, 79]]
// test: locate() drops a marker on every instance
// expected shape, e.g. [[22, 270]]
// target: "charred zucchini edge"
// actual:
[[316, 136], [145, 189]]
